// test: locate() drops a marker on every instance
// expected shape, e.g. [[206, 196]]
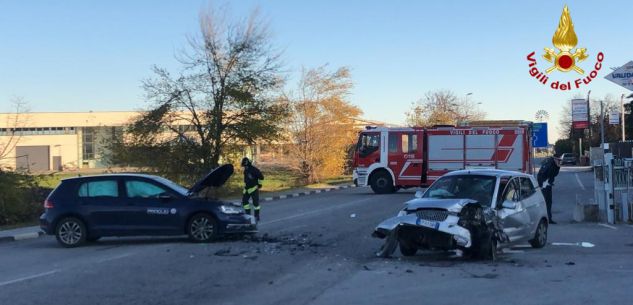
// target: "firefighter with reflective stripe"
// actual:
[[252, 183]]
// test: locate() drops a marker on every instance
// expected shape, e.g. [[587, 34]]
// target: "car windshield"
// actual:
[[173, 185], [476, 187]]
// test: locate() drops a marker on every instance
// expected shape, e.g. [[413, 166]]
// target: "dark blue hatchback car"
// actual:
[[86, 208]]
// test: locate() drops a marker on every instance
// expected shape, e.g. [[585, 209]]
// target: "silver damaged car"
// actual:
[[476, 211]]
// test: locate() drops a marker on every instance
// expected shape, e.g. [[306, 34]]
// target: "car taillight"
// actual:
[[48, 204]]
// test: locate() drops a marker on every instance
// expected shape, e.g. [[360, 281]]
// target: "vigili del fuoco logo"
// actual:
[[564, 58]]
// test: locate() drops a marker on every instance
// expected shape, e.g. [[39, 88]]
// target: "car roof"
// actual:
[[488, 172], [118, 175]]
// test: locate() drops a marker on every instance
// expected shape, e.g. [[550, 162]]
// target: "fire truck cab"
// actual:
[[387, 159]]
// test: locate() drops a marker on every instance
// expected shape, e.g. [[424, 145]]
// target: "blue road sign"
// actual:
[[539, 135]]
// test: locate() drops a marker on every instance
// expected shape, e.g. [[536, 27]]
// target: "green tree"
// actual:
[[222, 98], [563, 146]]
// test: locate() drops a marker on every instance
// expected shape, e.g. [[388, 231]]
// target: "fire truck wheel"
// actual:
[[381, 183]]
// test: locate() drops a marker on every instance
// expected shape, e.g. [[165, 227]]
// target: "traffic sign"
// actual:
[[614, 117], [579, 114], [623, 76], [539, 135]]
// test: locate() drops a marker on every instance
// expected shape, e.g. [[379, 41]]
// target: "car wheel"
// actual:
[[540, 237], [485, 248], [407, 250], [202, 228], [490, 250], [70, 232], [381, 183]]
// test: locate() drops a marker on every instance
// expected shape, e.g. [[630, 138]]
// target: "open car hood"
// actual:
[[215, 178]]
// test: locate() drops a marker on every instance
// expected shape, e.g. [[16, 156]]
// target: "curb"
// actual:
[[301, 194], [22, 236]]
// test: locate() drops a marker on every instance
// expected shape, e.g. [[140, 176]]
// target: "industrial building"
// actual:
[[56, 141]]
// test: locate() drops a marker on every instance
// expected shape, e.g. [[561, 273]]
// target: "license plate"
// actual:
[[427, 223]]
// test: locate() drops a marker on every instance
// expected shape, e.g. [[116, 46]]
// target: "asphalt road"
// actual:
[[318, 250]]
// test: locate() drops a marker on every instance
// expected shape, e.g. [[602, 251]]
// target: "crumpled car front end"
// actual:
[[442, 224]]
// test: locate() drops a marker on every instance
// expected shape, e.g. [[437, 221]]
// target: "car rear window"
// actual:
[[102, 188]]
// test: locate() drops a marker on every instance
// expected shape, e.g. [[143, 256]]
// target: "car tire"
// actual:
[[71, 232], [540, 236], [381, 183], [407, 250], [485, 248], [202, 228]]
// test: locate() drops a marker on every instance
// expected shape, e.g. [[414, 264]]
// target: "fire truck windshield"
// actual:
[[368, 143]]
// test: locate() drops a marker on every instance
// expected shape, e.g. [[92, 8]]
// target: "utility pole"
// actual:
[[601, 124], [589, 119], [622, 116]]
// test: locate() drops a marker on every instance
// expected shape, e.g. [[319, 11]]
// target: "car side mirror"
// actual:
[[418, 194], [509, 205]]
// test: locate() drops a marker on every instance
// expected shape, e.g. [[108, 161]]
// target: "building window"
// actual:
[[88, 143], [29, 131]]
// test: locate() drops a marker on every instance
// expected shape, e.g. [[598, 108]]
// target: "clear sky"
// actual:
[[92, 55]]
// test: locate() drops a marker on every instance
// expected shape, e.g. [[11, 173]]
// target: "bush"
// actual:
[[20, 198]]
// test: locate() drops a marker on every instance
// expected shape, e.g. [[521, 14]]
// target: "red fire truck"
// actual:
[[388, 159]]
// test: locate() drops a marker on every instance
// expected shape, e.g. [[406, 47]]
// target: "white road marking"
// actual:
[[607, 226], [620, 270], [583, 244], [579, 182], [30, 277], [315, 211], [107, 259], [24, 236]]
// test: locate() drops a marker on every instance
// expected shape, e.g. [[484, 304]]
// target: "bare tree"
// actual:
[[612, 132], [442, 107], [222, 98], [322, 122], [14, 120]]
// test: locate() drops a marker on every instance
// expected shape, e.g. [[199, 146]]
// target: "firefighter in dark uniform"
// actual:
[[546, 175], [252, 183]]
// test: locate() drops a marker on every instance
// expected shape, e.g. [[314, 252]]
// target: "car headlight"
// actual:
[[402, 213], [228, 209]]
